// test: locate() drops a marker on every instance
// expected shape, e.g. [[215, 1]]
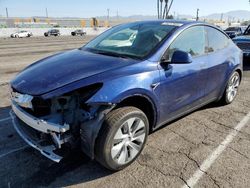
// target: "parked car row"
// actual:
[[51, 32], [243, 42], [235, 31], [78, 32], [21, 34]]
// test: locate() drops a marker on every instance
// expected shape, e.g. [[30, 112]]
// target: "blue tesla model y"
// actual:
[[105, 97]]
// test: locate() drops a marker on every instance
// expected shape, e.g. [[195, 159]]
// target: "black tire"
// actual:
[[104, 143], [226, 99]]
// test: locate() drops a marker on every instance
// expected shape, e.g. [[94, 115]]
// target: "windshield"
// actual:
[[135, 40]]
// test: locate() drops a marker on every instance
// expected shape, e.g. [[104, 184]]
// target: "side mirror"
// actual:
[[180, 57]]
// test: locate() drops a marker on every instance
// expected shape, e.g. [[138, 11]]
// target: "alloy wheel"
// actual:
[[233, 86], [128, 140]]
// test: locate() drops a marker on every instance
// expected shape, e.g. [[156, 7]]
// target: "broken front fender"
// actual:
[[89, 130]]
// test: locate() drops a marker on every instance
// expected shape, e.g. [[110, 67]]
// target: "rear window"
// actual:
[[216, 40]]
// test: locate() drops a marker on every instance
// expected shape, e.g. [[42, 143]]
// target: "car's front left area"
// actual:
[[55, 124]]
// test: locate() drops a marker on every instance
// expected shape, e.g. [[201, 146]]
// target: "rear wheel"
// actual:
[[231, 89], [122, 138]]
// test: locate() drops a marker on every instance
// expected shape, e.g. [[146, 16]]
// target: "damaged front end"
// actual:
[[55, 126]]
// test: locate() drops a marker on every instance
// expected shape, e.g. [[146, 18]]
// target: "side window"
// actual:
[[192, 40], [216, 40]]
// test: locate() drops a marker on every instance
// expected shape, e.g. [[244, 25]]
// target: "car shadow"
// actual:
[[77, 168], [208, 106]]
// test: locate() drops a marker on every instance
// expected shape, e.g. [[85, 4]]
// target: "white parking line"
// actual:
[[5, 119], [13, 151], [216, 153]]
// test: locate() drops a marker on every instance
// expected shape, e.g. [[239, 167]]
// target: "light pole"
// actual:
[[158, 8], [47, 12], [161, 1], [7, 13], [197, 14], [108, 14]]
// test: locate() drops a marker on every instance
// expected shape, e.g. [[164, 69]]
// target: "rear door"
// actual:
[[218, 61], [183, 85]]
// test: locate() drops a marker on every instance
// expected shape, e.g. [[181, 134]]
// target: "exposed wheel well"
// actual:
[[240, 73], [142, 103]]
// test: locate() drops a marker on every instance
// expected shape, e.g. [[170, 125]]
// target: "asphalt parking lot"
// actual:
[[207, 148]]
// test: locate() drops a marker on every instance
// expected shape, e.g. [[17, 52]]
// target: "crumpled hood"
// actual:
[[59, 70]]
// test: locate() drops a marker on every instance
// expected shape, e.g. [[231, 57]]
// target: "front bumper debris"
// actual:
[[46, 150], [28, 127], [38, 124]]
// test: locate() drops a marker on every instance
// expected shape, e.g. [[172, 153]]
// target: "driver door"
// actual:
[[183, 85]]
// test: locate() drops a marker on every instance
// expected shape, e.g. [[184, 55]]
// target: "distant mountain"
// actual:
[[132, 17], [232, 15], [184, 16]]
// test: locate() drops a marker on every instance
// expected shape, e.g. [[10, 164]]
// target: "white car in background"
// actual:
[[21, 34]]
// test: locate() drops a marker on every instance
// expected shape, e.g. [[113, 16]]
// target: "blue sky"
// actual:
[[91, 8]]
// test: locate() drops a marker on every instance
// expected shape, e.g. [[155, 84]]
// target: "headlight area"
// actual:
[[56, 125]]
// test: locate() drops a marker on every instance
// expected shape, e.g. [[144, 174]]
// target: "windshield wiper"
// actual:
[[109, 53]]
